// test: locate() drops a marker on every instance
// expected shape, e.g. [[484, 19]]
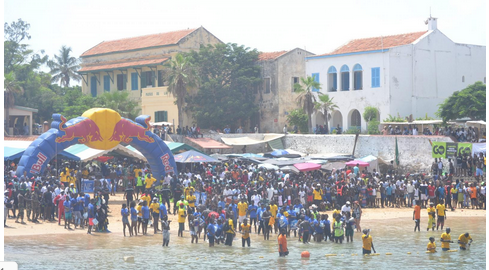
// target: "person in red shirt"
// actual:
[[431, 192], [417, 215]]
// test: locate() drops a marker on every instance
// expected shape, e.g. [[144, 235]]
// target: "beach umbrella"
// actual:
[[251, 155], [305, 167], [359, 162], [267, 166], [279, 152]]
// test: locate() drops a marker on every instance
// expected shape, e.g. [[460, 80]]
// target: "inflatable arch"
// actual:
[[101, 129]]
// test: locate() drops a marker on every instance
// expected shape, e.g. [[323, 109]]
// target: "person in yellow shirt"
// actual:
[[191, 199], [431, 217], [63, 178], [155, 210], [137, 171], [245, 232], [446, 239], [140, 214], [431, 245], [273, 211], [149, 181], [85, 173], [442, 214], [229, 229], [147, 198], [454, 192], [187, 190], [318, 195], [242, 208], [367, 245], [464, 240], [181, 219]]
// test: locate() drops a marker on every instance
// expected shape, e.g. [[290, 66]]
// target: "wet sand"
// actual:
[[370, 216]]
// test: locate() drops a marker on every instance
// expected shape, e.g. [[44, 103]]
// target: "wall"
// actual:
[[268, 102]]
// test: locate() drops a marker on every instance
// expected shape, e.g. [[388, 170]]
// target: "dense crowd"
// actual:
[[461, 134]]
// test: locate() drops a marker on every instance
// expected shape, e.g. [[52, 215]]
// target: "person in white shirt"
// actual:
[[270, 192], [302, 195], [256, 198], [346, 208], [410, 191]]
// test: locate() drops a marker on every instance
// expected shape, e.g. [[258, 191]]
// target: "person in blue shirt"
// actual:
[[85, 207], [388, 193], [252, 209], [146, 212], [356, 170], [80, 206], [163, 210], [318, 230], [235, 212], [211, 232], [441, 193], [219, 236], [327, 228], [67, 205], [134, 219], [259, 214], [125, 218], [91, 215]]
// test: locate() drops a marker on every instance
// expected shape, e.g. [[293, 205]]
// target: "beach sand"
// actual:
[[370, 216]]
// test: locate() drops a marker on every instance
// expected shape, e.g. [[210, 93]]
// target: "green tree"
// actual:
[[470, 102], [307, 99], [11, 87], [370, 113], [64, 67], [120, 102], [181, 75], [298, 118], [325, 105], [229, 74], [397, 118], [373, 127]]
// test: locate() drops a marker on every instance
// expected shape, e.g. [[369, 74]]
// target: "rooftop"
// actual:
[[270, 55], [376, 43], [120, 64], [134, 43]]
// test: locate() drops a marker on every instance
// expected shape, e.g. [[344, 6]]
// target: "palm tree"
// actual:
[[181, 76], [64, 67], [307, 99], [11, 87], [325, 105]]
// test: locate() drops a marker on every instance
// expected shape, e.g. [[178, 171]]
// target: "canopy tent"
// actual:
[[220, 157], [251, 155], [161, 123], [354, 163], [291, 169], [208, 143], [193, 157], [333, 165], [86, 153], [268, 166], [11, 153], [251, 141], [373, 161], [305, 167], [475, 123]]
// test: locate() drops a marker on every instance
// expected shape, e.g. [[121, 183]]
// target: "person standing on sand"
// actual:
[[282, 243], [442, 214]]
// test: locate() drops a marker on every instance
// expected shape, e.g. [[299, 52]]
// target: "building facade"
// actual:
[[276, 98], [408, 74], [136, 64]]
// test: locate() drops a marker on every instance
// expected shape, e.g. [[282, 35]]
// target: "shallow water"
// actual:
[[107, 251]]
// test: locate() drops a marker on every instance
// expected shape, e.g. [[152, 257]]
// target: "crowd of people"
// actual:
[[220, 200], [461, 134]]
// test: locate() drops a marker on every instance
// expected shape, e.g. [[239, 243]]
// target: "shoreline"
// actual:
[[369, 215]]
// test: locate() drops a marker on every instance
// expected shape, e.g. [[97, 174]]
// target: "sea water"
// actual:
[[396, 236]]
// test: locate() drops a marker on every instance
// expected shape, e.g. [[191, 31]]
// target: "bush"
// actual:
[[352, 130], [298, 118], [373, 127]]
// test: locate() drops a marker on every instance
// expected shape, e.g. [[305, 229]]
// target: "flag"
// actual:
[[397, 154]]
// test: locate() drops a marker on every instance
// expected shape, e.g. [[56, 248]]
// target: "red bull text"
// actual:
[[165, 159], [36, 167]]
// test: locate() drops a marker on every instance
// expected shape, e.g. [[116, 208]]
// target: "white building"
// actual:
[[401, 74]]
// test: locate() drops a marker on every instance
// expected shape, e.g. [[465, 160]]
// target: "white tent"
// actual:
[[373, 161]]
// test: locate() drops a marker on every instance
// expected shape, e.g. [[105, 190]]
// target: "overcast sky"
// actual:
[[318, 26]]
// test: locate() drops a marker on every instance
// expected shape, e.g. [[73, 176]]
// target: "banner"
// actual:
[[478, 148], [87, 186], [438, 149], [451, 150], [465, 148]]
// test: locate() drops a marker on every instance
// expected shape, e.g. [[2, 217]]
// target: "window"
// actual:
[[162, 78], [106, 83], [161, 116], [121, 81], [93, 86], [345, 78], [375, 77], [147, 79], [266, 85], [315, 76], [134, 81], [463, 78], [294, 81], [332, 79], [357, 77]]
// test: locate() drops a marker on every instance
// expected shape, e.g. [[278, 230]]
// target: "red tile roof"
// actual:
[[141, 42], [377, 43], [20, 138], [263, 56], [122, 64]]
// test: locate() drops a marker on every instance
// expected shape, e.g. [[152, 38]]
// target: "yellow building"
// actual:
[[136, 65]]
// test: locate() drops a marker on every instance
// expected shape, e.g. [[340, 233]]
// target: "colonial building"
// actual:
[[406, 74], [276, 98], [136, 65]]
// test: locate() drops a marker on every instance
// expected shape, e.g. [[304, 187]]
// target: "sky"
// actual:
[[317, 26]]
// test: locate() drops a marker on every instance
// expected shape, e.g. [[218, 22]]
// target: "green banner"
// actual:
[[451, 150], [438, 149], [465, 148]]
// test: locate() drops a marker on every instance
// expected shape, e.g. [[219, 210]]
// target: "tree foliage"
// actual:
[[307, 99], [373, 127], [119, 102], [228, 75], [64, 67], [298, 118], [325, 105], [370, 113], [467, 103], [397, 118]]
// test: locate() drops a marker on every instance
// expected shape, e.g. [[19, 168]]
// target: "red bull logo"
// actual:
[[125, 131], [86, 131], [165, 159], [36, 167]]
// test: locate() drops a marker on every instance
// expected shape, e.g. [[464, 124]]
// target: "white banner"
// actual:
[[478, 147]]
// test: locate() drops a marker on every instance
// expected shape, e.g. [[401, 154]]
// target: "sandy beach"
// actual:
[[370, 216]]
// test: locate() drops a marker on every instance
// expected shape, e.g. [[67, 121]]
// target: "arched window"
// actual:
[[332, 79], [357, 77], [345, 78]]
